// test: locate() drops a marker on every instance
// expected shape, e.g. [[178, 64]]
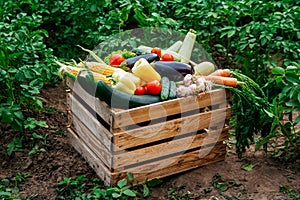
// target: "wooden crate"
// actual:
[[152, 141]]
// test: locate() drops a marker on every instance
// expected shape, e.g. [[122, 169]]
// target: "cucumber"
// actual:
[[165, 83], [173, 88], [114, 97]]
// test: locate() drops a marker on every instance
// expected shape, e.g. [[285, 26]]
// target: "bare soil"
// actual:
[[61, 160]]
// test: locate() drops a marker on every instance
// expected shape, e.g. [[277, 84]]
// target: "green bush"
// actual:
[[283, 89], [25, 66], [251, 35]]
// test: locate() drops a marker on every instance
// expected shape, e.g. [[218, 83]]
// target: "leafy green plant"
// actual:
[[6, 192], [291, 192], [72, 188], [284, 89], [15, 145], [25, 67], [9, 188], [80, 187], [120, 191], [223, 184]]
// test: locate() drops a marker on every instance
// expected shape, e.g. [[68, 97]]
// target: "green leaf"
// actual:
[[297, 120], [7, 116], [278, 79], [154, 182], [248, 167], [146, 191], [290, 68], [121, 183], [293, 78], [252, 45], [271, 115], [278, 70], [130, 176], [19, 115], [32, 123], [231, 33], [129, 193], [15, 145], [292, 104], [263, 41], [115, 195]]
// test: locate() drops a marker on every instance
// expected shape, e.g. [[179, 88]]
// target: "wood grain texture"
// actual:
[[166, 149], [169, 129], [152, 141], [104, 154], [101, 170], [124, 118], [100, 107], [90, 121], [182, 163]]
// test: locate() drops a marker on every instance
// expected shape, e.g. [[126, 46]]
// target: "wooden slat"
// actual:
[[90, 121], [169, 129], [92, 142], [102, 109], [100, 169], [166, 149], [173, 166], [171, 107]]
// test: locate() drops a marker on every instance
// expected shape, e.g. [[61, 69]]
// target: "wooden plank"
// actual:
[[184, 162], [98, 106], [167, 148], [92, 142], [169, 129], [90, 121], [170, 107], [95, 163]]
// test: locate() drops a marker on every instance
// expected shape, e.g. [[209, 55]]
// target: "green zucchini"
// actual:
[[165, 83], [172, 92], [114, 97]]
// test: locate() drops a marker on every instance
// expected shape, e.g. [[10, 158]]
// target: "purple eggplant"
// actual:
[[175, 71], [150, 57]]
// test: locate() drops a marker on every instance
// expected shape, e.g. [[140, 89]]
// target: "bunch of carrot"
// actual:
[[222, 76]]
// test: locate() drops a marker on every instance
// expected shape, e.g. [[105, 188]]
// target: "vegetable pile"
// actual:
[[145, 75]]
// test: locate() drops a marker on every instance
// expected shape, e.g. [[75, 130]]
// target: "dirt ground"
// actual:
[[61, 160]]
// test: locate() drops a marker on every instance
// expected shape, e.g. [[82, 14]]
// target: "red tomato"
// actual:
[[167, 57], [156, 50], [140, 90], [116, 59], [153, 87], [146, 89]]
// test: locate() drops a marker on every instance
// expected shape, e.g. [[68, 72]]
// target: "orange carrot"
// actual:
[[228, 81], [221, 72]]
